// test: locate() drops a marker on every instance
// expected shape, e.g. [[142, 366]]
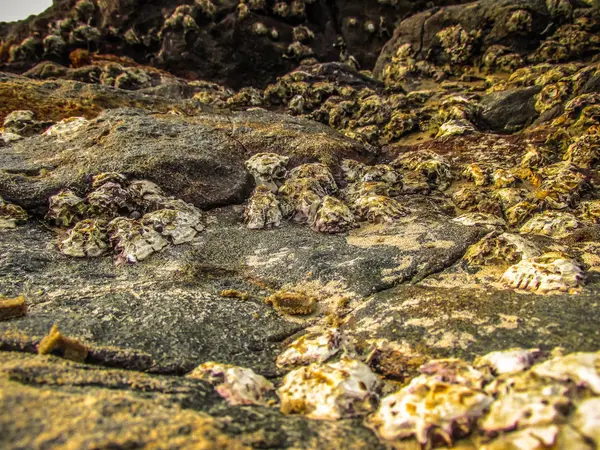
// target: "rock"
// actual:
[[93, 406], [509, 111], [199, 159]]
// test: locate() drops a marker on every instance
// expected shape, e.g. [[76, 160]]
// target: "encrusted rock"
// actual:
[[317, 172]]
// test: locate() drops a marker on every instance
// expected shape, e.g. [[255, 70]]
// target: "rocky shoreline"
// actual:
[[220, 230]]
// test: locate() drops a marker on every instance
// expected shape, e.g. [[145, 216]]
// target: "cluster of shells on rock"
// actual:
[[515, 398], [134, 218], [307, 194]]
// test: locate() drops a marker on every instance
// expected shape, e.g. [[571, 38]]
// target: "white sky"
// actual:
[[11, 10]]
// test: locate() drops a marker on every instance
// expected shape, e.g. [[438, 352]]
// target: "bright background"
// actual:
[[11, 10]]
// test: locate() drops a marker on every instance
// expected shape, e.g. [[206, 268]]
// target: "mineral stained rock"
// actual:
[[300, 224]]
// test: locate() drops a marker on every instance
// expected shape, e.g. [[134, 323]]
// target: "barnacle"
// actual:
[[427, 408], [304, 195], [333, 216], [503, 249], [378, 209], [237, 385], [132, 240], [584, 152], [508, 361], [11, 215], [591, 211], [263, 210], [435, 167], [555, 224], [66, 128], [519, 212], [479, 174], [109, 200], [329, 391], [65, 208], [549, 272], [318, 172], [177, 226], [587, 419], [581, 368], [485, 220], [268, 169], [86, 239], [316, 347]]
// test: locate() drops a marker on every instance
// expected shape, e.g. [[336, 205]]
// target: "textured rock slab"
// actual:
[[200, 158], [462, 322], [169, 305], [58, 403]]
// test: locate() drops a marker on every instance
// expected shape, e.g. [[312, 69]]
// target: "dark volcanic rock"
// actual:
[[509, 111]]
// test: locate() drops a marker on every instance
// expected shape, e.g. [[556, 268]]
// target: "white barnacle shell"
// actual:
[[555, 224], [550, 272], [268, 169], [177, 226], [329, 391], [318, 172], [65, 208], [587, 419], [379, 209], [237, 385], [425, 405], [66, 128], [508, 361], [312, 348], [132, 240], [86, 239], [523, 409], [263, 210], [333, 216], [581, 368]]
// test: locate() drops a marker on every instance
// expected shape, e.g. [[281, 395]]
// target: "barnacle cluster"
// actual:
[[133, 218], [510, 399], [306, 194]]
